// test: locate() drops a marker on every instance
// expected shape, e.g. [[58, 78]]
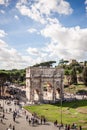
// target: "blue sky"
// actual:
[[34, 31]]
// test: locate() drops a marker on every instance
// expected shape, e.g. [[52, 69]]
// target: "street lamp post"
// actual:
[[3, 98], [61, 96], [53, 90], [54, 86], [61, 110], [3, 105]]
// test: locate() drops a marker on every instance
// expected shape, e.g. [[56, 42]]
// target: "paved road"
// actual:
[[20, 123]]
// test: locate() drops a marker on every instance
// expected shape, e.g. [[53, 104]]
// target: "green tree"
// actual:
[[67, 72], [47, 64], [85, 63], [63, 63], [3, 79], [85, 75], [73, 76]]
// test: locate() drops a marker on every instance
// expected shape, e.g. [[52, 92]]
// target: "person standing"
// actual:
[[3, 116], [41, 120], [80, 127], [1, 120], [26, 117], [13, 127], [44, 120]]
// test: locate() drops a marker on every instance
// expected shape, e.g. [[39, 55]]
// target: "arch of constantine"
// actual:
[[44, 84]]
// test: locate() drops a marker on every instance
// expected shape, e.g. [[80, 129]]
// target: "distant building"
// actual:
[[73, 61], [43, 83]]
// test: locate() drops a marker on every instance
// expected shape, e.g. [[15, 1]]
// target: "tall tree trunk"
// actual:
[[0, 91]]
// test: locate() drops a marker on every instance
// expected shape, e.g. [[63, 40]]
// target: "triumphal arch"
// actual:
[[44, 84]]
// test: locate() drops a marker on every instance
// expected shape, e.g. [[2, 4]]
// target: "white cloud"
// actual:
[[2, 11], [29, 61], [86, 5], [16, 17], [2, 33], [32, 13], [64, 8], [86, 8], [4, 2], [58, 6], [10, 58], [85, 1], [66, 42], [42, 9], [32, 30], [39, 55], [33, 51], [3, 44], [23, 1]]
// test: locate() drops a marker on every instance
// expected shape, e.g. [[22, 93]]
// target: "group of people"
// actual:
[[67, 126], [6, 110], [11, 127], [34, 120]]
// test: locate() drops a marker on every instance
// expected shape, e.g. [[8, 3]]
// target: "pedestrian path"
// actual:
[[20, 121]]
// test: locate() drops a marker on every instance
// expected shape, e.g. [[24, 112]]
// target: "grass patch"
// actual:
[[72, 112]]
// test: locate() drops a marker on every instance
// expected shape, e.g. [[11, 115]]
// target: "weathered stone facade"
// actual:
[[43, 83]]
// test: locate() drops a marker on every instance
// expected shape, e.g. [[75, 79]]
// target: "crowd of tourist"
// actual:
[[67, 126], [32, 120]]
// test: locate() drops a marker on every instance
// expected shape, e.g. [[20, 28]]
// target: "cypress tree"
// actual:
[[85, 75], [73, 76]]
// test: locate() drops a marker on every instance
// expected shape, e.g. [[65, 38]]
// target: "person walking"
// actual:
[[13, 127], [41, 120], [3, 116], [26, 117], [66, 127], [55, 122], [10, 126], [1, 120], [44, 120], [80, 127]]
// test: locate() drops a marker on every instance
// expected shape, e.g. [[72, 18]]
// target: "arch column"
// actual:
[[41, 90]]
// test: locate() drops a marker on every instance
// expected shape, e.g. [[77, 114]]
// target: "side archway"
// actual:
[[36, 95]]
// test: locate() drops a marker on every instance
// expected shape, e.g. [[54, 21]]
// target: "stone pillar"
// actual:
[[53, 89], [41, 90], [61, 87], [28, 89]]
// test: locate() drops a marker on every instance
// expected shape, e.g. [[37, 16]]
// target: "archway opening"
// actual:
[[47, 91], [36, 95], [57, 93]]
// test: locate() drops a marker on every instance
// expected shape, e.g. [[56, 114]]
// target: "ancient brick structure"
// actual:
[[44, 84]]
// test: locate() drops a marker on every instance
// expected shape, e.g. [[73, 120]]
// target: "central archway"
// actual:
[[47, 90]]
